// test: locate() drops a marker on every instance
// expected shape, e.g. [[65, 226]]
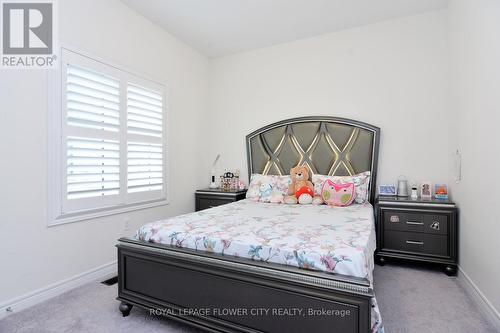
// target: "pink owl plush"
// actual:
[[338, 194]]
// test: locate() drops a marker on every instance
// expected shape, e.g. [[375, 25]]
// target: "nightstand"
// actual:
[[208, 198], [420, 230]]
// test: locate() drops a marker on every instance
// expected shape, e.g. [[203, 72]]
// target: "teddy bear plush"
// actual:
[[301, 190]]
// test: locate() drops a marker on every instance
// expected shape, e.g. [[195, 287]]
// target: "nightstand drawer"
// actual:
[[416, 242], [402, 221], [204, 203]]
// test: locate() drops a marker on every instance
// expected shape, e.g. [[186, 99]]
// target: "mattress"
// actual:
[[331, 239]]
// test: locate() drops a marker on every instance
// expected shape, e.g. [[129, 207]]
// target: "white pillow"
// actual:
[[268, 188]]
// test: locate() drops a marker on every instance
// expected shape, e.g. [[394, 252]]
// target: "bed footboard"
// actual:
[[223, 294]]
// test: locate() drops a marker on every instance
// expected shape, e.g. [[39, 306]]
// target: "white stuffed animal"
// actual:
[[265, 192]]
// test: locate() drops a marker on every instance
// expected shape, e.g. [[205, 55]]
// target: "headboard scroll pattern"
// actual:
[[326, 145]]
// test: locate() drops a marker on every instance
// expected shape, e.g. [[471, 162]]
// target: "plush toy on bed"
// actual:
[[301, 190], [338, 194], [265, 192]]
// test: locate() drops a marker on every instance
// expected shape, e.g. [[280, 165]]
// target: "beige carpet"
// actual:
[[411, 299]]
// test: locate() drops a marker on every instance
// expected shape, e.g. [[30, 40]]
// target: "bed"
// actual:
[[255, 267]]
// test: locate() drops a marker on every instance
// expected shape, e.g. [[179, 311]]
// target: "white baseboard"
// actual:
[[480, 299], [25, 301]]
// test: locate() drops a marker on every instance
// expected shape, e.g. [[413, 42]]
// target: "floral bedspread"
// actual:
[[331, 239]]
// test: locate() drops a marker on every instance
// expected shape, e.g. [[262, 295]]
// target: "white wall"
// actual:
[[33, 256], [475, 102], [392, 74]]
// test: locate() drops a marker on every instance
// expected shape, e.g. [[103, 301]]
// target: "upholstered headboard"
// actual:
[[327, 145]]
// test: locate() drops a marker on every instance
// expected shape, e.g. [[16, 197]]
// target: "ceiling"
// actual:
[[221, 27]]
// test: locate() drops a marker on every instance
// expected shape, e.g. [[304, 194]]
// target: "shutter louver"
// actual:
[[145, 167], [144, 111], [93, 100], [93, 167]]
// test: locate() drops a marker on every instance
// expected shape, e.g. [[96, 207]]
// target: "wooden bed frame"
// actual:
[[220, 293]]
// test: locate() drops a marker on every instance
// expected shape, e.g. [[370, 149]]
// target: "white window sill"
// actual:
[[92, 214]]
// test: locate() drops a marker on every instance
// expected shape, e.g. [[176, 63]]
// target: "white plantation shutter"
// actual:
[[145, 167], [144, 111], [92, 126], [112, 151], [93, 168], [144, 130], [93, 100]]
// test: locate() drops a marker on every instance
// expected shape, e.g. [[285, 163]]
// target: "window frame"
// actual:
[[57, 140]]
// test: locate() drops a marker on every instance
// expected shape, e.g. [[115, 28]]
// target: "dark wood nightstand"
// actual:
[[422, 230], [208, 198]]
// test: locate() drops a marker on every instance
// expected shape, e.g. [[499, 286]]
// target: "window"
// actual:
[[109, 141]]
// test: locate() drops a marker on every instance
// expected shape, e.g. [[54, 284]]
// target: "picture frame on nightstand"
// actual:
[[387, 190], [441, 191], [426, 190]]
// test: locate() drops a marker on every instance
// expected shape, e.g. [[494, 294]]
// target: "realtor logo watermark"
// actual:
[[28, 34]]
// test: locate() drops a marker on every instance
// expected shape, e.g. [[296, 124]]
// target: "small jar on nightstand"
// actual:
[[418, 230], [208, 198]]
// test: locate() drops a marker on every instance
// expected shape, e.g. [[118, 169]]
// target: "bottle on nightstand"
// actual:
[[414, 192]]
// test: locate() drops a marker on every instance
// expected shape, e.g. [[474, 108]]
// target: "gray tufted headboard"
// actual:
[[327, 145]]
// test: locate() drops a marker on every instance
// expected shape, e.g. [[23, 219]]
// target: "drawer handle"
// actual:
[[414, 242], [414, 223]]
